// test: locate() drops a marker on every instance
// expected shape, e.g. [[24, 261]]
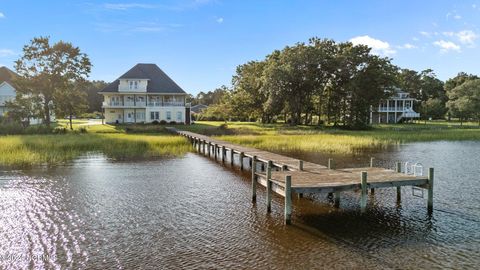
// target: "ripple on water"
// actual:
[[191, 213]]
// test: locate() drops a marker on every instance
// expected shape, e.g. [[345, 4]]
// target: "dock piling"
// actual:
[[363, 198], [372, 159], [337, 199], [231, 157], [430, 190], [254, 179], [242, 155], [269, 186], [288, 199], [223, 154], [399, 189], [300, 165]]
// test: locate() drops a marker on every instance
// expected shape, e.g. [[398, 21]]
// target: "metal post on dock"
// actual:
[[209, 149], [242, 155], [288, 199], [399, 189], [430, 190], [269, 185], [231, 156], [363, 198], [223, 154], [331, 164], [254, 179], [204, 146]]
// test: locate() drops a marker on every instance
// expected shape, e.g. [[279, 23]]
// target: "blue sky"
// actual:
[[199, 43]]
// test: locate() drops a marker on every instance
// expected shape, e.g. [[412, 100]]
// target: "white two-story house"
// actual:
[[145, 94], [399, 107], [7, 91]]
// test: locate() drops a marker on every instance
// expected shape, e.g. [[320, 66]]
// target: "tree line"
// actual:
[[325, 82], [53, 78]]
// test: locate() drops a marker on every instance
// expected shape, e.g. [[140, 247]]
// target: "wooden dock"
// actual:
[[285, 175]]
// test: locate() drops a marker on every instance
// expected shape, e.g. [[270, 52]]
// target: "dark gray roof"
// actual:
[[6, 75], [198, 108], [159, 82]]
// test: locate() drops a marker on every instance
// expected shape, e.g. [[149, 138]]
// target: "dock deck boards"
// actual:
[[308, 177], [314, 175]]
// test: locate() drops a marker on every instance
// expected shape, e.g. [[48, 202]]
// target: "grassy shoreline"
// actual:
[[113, 142], [147, 141], [278, 137]]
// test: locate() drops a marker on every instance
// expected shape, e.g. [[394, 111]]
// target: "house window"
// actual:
[[179, 116], [169, 116], [154, 115], [136, 85], [131, 85]]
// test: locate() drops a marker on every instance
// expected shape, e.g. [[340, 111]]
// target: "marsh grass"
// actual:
[[26, 150], [282, 138]]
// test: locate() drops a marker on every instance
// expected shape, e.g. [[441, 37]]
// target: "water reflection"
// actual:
[[192, 213]]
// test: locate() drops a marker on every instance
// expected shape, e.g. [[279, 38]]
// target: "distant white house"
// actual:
[[145, 94], [8, 93], [399, 107]]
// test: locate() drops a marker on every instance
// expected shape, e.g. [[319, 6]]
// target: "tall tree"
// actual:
[[47, 70], [71, 100], [465, 100], [248, 95], [93, 99]]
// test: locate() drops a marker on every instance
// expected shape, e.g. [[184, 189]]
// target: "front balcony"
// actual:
[[113, 104], [392, 109]]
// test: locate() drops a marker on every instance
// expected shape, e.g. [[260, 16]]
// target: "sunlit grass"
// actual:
[[279, 137], [22, 150]]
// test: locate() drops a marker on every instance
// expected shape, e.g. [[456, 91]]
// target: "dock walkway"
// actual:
[[285, 175]]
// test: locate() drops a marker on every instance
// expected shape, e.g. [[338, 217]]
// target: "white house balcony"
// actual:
[[141, 104], [390, 109], [173, 103]]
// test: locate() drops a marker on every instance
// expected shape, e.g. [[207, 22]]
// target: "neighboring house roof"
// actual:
[[158, 81], [6, 75], [198, 108]]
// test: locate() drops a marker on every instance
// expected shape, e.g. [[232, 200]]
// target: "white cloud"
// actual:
[[2, 15], [446, 46], [425, 34], [6, 52], [407, 46], [148, 29], [378, 46], [466, 37], [415, 39], [457, 17], [125, 6], [220, 20]]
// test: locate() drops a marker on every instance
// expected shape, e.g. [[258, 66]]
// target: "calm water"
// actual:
[[192, 213]]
